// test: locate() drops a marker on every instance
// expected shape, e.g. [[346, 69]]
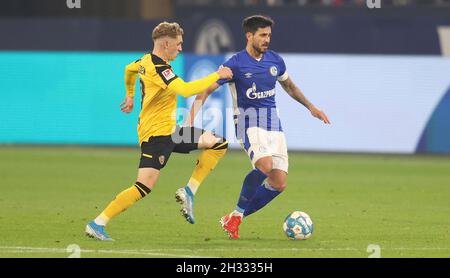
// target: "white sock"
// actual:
[[101, 220], [238, 213], [193, 185]]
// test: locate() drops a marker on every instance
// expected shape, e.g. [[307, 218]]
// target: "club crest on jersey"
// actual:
[[168, 74], [141, 70], [162, 159], [273, 71]]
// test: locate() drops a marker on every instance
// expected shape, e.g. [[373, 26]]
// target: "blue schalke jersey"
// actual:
[[253, 89]]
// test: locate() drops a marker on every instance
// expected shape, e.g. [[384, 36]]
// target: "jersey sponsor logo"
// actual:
[[168, 74], [273, 71], [253, 94]]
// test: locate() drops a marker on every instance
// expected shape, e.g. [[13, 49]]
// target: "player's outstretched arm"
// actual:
[[289, 86], [131, 72], [187, 89], [198, 103]]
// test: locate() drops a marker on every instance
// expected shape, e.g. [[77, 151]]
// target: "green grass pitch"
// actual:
[[48, 194]]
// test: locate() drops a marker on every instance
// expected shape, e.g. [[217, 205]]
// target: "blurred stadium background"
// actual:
[[381, 74]]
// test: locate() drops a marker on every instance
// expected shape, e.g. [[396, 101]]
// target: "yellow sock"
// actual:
[[207, 161], [124, 200]]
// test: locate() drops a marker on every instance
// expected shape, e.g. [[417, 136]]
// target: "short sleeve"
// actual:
[[282, 74], [231, 63]]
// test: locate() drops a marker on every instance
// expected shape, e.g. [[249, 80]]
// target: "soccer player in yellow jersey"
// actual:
[[158, 134]]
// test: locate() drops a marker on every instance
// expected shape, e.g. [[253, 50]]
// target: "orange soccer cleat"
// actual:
[[230, 224]]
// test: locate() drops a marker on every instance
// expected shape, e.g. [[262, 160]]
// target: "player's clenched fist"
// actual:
[[225, 73]]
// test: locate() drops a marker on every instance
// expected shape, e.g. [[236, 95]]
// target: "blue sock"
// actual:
[[264, 194], [251, 182]]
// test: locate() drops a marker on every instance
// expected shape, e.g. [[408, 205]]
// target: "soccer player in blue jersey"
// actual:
[[256, 69]]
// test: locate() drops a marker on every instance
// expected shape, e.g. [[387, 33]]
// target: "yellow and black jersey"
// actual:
[[159, 87]]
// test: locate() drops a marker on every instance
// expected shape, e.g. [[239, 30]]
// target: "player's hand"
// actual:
[[225, 73], [127, 105], [319, 114]]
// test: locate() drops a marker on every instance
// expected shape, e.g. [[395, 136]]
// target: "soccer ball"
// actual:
[[298, 225]]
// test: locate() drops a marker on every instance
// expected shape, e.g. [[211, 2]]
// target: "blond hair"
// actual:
[[171, 29]]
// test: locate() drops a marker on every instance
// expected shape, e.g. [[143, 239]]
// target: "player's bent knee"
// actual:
[[282, 187], [264, 165], [208, 140], [148, 177], [278, 180]]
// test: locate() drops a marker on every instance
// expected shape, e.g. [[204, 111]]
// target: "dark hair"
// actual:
[[253, 23]]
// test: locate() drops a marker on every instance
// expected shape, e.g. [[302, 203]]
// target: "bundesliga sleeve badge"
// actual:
[[168, 74]]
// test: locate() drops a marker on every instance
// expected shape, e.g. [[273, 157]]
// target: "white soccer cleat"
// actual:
[[185, 198]]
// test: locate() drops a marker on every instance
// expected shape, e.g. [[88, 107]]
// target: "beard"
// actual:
[[261, 50]]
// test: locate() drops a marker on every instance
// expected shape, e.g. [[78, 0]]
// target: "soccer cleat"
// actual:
[[185, 198], [97, 231], [230, 223]]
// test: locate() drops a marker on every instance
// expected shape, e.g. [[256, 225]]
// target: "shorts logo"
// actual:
[[161, 159], [168, 74], [273, 71]]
